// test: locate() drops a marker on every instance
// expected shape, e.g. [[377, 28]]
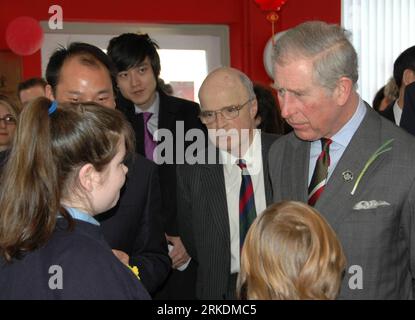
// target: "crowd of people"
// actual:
[[310, 195]]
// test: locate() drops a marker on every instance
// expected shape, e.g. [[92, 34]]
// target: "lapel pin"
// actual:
[[347, 176]]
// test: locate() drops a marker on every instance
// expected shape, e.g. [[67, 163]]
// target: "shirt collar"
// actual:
[[80, 215], [154, 108], [250, 157], [346, 133]]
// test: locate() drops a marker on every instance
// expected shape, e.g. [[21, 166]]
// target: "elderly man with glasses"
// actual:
[[218, 200]]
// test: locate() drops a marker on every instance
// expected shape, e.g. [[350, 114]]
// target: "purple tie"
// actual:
[[149, 143]]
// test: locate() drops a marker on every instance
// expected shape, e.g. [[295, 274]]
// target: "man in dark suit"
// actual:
[[353, 165], [149, 109], [209, 202], [403, 74], [133, 228], [408, 113]]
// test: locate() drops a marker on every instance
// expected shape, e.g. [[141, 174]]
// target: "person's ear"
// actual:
[[49, 92], [254, 108], [88, 177], [343, 90], [408, 77], [258, 121]]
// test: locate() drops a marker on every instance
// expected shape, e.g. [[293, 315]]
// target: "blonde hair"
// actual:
[[11, 104], [391, 90], [290, 252]]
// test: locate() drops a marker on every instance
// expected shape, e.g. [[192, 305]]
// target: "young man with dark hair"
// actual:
[[148, 109], [133, 228], [31, 89]]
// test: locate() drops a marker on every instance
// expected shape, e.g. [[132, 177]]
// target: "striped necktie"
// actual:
[[319, 179], [247, 211]]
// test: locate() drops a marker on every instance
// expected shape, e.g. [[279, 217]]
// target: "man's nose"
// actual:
[[220, 120], [134, 79], [287, 105]]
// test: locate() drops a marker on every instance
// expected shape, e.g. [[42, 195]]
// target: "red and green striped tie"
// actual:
[[247, 211], [318, 181]]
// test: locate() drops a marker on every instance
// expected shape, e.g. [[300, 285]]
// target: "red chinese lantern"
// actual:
[[24, 36], [274, 6]]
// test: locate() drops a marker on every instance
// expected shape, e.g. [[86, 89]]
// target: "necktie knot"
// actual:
[[241, 164], [147, 116], [325, 144]]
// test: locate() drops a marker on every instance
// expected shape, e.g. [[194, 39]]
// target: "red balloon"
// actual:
[[24, 36], [268, 5]]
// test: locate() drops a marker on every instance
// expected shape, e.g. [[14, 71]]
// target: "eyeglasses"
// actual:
[[229, 113], [8, 120]]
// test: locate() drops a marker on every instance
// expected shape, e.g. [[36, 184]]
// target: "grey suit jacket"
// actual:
[[379, 240], [204, 222]]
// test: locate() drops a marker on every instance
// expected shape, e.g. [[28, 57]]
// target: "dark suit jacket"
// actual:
[[171, 110], [89, 269], [408, 112], [376, 224], [134, 224], [204, 221], [388, 112]]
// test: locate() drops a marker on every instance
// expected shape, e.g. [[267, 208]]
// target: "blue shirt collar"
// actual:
[[345, 134], [83, 216]]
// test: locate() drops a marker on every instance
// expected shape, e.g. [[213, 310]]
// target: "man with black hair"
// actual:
[[31, 89], [404, 74], [148, 109], [133, 228]]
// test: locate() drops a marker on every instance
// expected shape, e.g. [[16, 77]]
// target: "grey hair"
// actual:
[[327, 44]]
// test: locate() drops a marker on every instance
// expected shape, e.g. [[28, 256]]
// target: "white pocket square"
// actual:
[[372, 204]]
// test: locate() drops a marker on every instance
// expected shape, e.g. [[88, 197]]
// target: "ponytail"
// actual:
[[29, 191]]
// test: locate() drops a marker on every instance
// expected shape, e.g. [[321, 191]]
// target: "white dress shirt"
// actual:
[[397, 112], [153, 122], [233, 179]]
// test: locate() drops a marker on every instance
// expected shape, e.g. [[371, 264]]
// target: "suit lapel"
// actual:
[[296, 175], [337, 193], [167, 113], [266, 142]]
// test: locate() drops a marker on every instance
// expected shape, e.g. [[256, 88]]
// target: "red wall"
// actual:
[[249, 29]]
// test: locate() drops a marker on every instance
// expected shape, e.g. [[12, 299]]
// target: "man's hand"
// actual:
[[124, 258], [179, 254]]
